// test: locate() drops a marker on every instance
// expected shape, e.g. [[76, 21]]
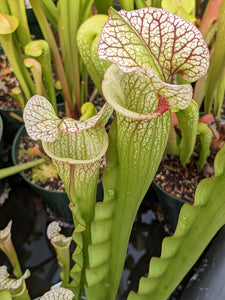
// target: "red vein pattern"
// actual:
[[152, 37], [42, 123], [142, 95]]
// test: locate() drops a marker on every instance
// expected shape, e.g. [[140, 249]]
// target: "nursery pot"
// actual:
[[208, 281], [56, 201], [10, 123], [1, 128], [170, 205], [2, 186]]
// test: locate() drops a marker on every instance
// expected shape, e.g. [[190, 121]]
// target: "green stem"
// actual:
[[219, 96], [36, 71], [50, 11], [82, 195], [68, 26], [19, 168], [40, 50], [4, 8], [18, 10], [85, 10], [127, 4], [16, 93], [103, 6], [140, 4], [136, 171], [7, 247], [84, 86], [16, 62], [13, 258], [49, 37]]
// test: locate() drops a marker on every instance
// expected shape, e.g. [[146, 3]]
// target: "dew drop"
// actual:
[[111, 192]]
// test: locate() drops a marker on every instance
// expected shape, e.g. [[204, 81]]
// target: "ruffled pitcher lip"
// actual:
[[168, 96]]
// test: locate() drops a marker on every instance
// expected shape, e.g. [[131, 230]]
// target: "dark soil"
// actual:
[[52, 183], [180, 181], [7, 82]]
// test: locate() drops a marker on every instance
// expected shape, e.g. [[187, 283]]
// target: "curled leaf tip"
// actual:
[[37, 48], [53, 233]]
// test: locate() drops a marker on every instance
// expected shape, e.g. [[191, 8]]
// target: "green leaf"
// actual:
[[141, 101], [49, 37], [88, 110], [219, 98], [97, 274], [7, 247], [36, 70], [50, 10], [17, 9], [197, 225], [205, 136], [61, 245], [188, 124], [127, 4], [5, 295], [11, 46], [87, 42], [181, 8], [76, 148], [39, 49], [216, 69], [154, 38], [103, 6]]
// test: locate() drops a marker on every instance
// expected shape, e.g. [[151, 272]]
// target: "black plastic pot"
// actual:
[[1, 128], [2, 185], [10, 123], [170, 205], [208, 281], [56, 202]]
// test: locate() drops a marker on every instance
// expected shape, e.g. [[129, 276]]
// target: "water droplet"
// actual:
[[184, 220], [111, 192]]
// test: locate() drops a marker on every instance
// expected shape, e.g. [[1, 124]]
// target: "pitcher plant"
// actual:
[[144, 49]]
